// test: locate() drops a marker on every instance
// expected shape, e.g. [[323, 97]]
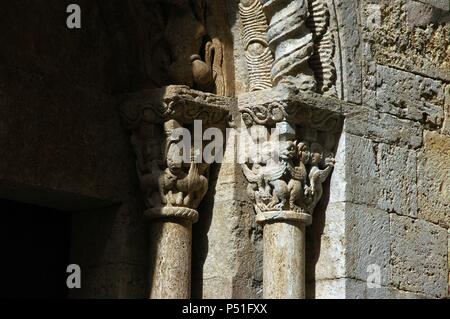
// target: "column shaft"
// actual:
[[170, 266], [284, 260]]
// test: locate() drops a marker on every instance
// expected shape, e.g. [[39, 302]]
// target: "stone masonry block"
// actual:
[[418, 256], [397, 171], [354, 237], [434, 179], [411, 96], [361, 176], [386, 128]]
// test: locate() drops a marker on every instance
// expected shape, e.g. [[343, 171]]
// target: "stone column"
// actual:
[[284, 254], [285, 179], [171, 251], [172, 185], [286, 176]]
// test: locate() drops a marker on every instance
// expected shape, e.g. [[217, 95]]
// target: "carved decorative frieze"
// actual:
[[263, 114], [315, 111], [175, 102], [257, 53], [321, 61]]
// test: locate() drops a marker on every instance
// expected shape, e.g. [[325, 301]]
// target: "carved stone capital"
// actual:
[[173, 178], [286, 173]]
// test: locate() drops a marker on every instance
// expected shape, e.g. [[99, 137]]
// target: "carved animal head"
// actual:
[[287, 150]]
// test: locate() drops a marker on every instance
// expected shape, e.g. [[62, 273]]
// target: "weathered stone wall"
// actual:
[[388, 197], [62, 140], [389, 194]]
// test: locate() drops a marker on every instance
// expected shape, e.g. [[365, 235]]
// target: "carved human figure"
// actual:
[[170, 182], [148, 164], [259, 189], [172, 174]]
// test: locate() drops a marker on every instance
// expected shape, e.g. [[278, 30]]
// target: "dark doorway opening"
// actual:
[[35, 247]]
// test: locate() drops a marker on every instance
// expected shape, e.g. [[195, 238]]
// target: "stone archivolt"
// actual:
[[257, 53], [321, 61]]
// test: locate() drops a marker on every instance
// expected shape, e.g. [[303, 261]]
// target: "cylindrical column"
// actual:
[[171, 252], [284, 254]]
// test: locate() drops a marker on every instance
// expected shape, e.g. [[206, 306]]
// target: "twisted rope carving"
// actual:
[[291, 41]]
